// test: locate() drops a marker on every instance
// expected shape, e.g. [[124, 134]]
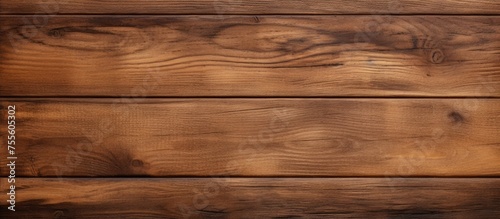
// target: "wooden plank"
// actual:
[[242, 56], [255, 137], [256, 198], [251, 7]]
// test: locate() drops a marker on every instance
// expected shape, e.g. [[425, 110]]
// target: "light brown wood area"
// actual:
[[257, 198], [256, 137], [250, 7], [264, 56]]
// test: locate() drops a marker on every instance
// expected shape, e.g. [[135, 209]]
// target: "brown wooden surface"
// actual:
[[257, 198], [256, 137], [304, 108], [434, 56], [250, 7]]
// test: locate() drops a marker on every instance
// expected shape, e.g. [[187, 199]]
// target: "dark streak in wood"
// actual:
[[258, 198], [227, 7]]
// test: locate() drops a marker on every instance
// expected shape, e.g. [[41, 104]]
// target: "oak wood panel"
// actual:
[[256, 198], [243, 56], [251, 7], [256, 137]]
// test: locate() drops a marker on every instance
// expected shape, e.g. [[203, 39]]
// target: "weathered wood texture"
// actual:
[[257, 198], [243, 56], [251, 7], [256, 137]]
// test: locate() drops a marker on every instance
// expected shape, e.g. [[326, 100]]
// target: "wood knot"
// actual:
[[137, 163], [58, 214], [55, 33], [256, 19], [456, 117], [437, 56]]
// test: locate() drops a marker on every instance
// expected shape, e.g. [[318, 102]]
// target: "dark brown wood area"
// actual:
[[258, 198], [231, 7]]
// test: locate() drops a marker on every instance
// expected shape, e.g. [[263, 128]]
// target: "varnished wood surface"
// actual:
[[256, 137], [250, 7], [409, 56], [303, 108], [257, 198]]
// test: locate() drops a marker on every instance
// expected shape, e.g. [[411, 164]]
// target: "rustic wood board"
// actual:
[[256, 137], [240, 56], [250, 7], [250, 109], [257, 198]]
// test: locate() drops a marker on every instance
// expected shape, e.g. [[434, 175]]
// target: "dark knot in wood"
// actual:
[[437, 56], [58, 214], [456, 117], [55, 33], [137, 163]]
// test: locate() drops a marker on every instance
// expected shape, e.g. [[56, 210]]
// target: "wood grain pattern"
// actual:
[[241, 56], [251, 109], [251, 7], [257, 198], [256, 137]]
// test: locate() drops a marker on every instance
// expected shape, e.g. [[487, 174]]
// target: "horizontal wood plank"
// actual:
[[240, 56], [251, 7], [255, 137], [256, 198]]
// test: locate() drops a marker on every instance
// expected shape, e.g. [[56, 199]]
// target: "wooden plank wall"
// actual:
[[251, 109]]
